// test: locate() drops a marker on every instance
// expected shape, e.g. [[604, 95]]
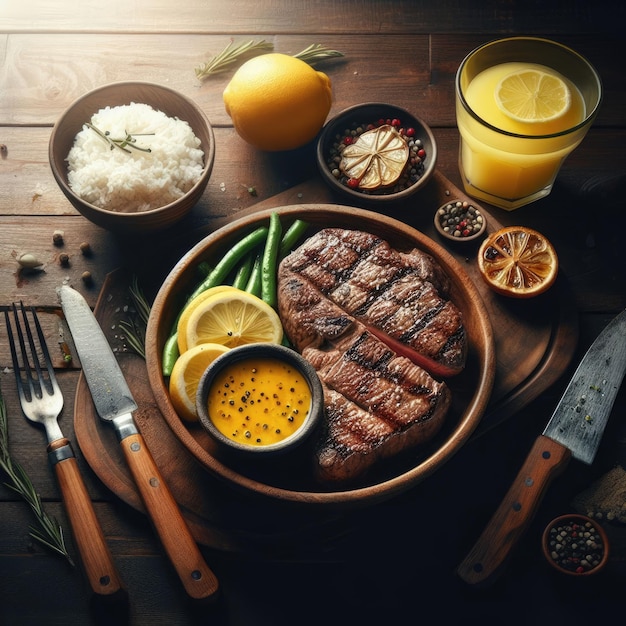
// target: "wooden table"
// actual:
[[389, 563]]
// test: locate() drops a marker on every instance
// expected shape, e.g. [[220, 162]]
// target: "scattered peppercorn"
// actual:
[[57, 237], [4, 151], [85, 248], [460, 219], [64, 259], [87, 278]]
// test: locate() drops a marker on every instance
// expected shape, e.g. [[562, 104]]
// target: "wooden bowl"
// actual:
[[563, 546], [471, 389], [164, 99], [452, 232], [242, 446], [363, 114]]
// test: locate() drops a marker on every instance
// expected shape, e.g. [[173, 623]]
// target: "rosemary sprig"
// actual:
[[316, 52], [129, 141], [233, 53], [135, 326], [230, 54], [48, 531]]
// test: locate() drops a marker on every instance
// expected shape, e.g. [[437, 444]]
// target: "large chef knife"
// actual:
[[114, 403], [574, 430]]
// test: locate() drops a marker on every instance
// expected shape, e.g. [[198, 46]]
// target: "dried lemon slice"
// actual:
[[518, 262], [531, 95], [377, 158]]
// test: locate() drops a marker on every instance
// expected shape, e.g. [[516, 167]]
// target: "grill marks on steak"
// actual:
[[400, 297], [377, 402]]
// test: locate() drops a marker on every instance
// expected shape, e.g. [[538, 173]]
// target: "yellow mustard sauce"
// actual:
[[259, 402]]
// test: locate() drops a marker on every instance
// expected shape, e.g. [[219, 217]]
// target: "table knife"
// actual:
[[114, 404], [574, 430]]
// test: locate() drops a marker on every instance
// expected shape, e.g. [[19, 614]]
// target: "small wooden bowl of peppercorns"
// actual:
[[459, 220], [575, 545], [376, 153]]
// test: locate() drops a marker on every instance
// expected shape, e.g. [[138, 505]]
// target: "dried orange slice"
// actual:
[[377, 158], [518, 262]]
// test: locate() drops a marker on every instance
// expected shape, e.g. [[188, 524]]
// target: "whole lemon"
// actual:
[[278, 102]]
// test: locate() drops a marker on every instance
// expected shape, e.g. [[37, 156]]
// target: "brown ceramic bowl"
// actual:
[[243, 444], [471, 390], [452, 214], [363, 114], [164, 99], [575, 545]]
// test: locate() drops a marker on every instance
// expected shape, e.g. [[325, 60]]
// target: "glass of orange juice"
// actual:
[[522, 105]]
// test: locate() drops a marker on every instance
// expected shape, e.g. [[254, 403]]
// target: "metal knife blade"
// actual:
[[580, 418], [114, 404], [109, 390], [575, 429]]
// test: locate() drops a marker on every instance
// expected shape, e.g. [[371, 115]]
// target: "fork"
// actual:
[[41, 400]]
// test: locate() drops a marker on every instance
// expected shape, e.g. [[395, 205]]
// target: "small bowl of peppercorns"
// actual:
[[575, 545], [459, 220], [376, 153]]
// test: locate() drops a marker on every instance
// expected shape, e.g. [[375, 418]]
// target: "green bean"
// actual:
[[254, 282], [242, 275], [230, 259], [170, 354], [293, 234], [270, 258]]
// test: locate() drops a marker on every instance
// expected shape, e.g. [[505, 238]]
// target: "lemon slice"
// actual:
[[186, 375], [233, 318], [191, 307], [518, 262], [531, 95], [377, 158]]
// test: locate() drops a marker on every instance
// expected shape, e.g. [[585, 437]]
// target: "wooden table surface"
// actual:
[[390, 563]]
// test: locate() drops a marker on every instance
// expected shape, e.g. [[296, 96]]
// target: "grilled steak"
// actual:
[[343, 296], [400, 297]]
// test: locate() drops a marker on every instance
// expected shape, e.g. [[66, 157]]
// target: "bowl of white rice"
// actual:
[[132, 156]]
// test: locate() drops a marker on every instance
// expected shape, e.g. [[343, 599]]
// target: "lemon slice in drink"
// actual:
[[186, 375], [531, 95], [377, 158], [233, 318]]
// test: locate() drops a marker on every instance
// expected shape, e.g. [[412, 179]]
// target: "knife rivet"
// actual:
[[196, 574], [154, 482], [545, 454], [529, 482], [517, 506], [135, 447], [105, 580]]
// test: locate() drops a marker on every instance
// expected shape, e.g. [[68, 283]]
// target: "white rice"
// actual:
[[134, 181]]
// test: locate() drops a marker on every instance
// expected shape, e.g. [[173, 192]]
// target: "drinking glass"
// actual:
[[510, 169]]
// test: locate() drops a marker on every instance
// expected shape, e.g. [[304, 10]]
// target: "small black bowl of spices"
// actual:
[[575, 545], [376, 153], [459, 220]]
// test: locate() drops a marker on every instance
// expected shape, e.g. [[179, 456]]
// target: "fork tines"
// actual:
[[35, 384]]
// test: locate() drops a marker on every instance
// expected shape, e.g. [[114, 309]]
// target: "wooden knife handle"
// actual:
[[94, 553], [546, 460], [199, 581]]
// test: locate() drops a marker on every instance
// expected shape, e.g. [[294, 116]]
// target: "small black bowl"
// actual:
[[362, 115], [276, 413]]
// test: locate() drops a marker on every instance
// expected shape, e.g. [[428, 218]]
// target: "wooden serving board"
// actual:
[[535, 340]]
